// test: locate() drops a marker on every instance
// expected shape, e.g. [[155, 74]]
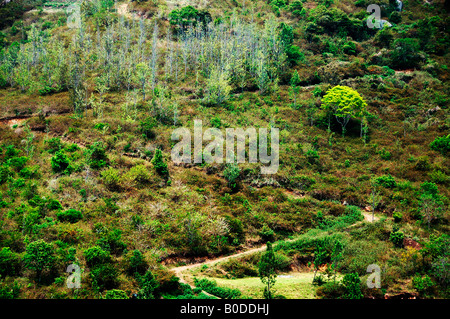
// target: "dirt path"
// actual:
[[368, 217], [181, 269]]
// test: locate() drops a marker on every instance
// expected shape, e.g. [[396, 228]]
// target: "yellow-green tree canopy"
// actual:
[[344, 103]]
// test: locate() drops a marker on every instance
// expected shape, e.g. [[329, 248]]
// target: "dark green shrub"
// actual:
[[136, 263], [396, 237], [312, 156], [294, 54], [10, 262], [240, 269], [9, 292], [112, 241], [104, 277], [211, 287], [397, 217], [70, 215], [72, 148], [29, 172], [395, 17], [116, 294], [60, 163], [352, 214], [97, 156], [349, 48], [158, 163], [53, 204], [423, 285], [4, 173], [266, 233], [11, 151], [296, 7], [282, 262], [168, 282], [96, 255], [39, 256], [405, 53], [147, 126], [236, 231], [54, 144], [231, 174], [441, 144], [352, 286], [302, 182], [330, 290], [386, 181], [17, 163], [386, 155], [189, 16], [149, 286]]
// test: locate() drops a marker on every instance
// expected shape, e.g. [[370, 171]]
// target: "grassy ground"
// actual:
[[292, 285]]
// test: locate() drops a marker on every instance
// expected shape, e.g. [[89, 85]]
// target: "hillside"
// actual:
[[89, 107]]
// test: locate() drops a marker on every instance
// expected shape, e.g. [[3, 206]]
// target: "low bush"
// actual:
[[60, 163], [441, 144], [423, 285], [10, 262], [397, 237], [111, 178], [352, 286], [97, 156], [136, 263], [231, 174], [139, 175], [211, 287], [96, 255], [112, 241], [70, 215], [386, 181], [330, 290], [148, 286], [104, 277], [116, 294], [240, 269], [146, 127], [54, 145], [397, 217], [158, 163]]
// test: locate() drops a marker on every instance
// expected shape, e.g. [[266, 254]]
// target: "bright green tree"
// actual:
[[344, 103]]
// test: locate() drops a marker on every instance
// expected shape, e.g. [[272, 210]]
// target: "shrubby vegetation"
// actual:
[[85, 169]]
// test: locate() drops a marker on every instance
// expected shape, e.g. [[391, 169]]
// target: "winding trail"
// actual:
[[181, 269]]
